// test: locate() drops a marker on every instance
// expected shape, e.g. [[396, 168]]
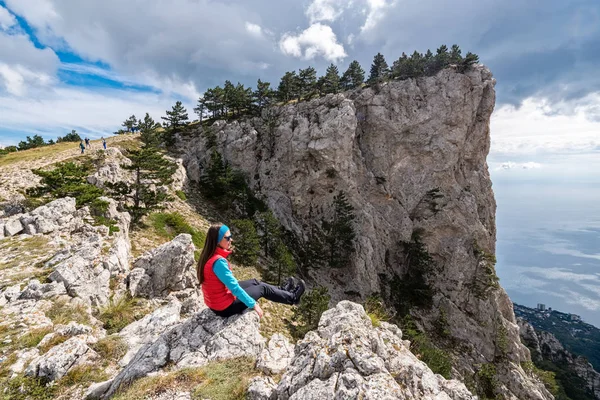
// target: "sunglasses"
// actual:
[[228, 238]]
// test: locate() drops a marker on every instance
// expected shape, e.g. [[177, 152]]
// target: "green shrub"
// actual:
[[438, 360], [487, 382], [308, 313], [181, 195], [376, 310], [169, 225], [501, 341], [247, 243]]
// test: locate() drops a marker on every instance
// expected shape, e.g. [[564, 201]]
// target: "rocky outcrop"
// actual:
[[349, 358], [546, 347], [411, 158], [111, 170], [276, 357], [165, 269], [202, 338], [60, 359]]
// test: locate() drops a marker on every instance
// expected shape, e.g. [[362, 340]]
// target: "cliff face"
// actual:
[[546, 347], [410, 156]]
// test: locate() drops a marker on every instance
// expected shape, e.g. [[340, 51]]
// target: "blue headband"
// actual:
[[222, 231]]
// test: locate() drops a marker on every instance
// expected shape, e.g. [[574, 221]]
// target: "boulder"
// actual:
[[148, 329], [261, 388], [110, 171], [50, 217], [203, 338], [348, 358], [13, 227], [165, 269], [60, 359], [276, 357], [36, 290]]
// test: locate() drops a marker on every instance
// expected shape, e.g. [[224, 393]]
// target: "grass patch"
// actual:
[[29, 249], [62, 313], [181, 195], [222, 380], [55, 341], [83, 375], [169, 225], [375, 309], [27, 156], [4, 366], [118, 314], [32, 338], [129, 144], [25, 388], [111, 348], [226, 380]]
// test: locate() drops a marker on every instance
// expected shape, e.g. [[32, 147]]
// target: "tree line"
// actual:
[[38, 141]]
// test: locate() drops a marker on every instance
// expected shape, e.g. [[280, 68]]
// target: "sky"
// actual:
[[89, 64]]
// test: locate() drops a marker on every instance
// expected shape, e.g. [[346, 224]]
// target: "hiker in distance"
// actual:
[[82, 146], [223, 294]]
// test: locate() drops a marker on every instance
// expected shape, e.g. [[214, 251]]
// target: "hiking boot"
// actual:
[[299, 291], [290, 284]]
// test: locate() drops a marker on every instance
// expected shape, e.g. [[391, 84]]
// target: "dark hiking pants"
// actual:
[[257, 289]]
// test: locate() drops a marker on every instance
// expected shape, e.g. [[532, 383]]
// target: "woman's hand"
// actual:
[[258, 310]]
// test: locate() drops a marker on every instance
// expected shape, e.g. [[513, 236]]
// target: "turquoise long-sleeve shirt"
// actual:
[[222, 271]]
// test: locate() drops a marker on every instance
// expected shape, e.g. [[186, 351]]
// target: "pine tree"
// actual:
[[130, 123], [307, 82], [379, 69], [148, 128], [455, 56], [469, 60], [331, 82], [307, 315], [247, 244], [175, 121], [442, 57], [229, 96], [263, 95], [270, 231], [282, 264], [69, 137], [288, 87], [340, 233], [32, 143], [353, 77], [150, 169]]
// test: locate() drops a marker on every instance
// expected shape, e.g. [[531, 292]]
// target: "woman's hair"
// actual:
[[210, 245]]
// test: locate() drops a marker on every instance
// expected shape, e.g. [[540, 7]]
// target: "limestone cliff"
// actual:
[[410, 156]]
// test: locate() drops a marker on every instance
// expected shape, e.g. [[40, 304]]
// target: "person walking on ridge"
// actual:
[[103, 142], [223, 294], [82, 147], [87, 143]]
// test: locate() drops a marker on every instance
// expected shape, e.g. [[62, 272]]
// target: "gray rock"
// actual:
[[261, 388], [276, 357], [203, 338], [167, 268], [80, 280], [36, 290], [1, 230], [50, 217], [348, 358], [9, 294], [12, 227], [111, 171], [148, 329], [59, 360]]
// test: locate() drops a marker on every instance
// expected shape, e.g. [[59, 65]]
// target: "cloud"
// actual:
[[376, 12], [326, 10], [534, 128], [254, 29], [7, 20], [316, 40], [514, 165]]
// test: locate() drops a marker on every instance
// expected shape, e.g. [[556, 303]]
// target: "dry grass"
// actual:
[[224, 380], [27, 251], [83, 375], [33, 337], [111, 348], [55, 341], [62, 313], [27, 156]]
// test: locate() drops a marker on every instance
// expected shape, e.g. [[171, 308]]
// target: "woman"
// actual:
[[223, 293]]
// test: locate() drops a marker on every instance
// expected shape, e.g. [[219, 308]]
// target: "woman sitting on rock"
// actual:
[[223, 293]]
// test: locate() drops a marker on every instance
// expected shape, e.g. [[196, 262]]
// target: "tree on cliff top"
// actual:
[[353, 77], [379, 68], [175, 120]]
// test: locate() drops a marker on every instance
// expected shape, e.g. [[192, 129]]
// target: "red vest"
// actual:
[[216, 295]]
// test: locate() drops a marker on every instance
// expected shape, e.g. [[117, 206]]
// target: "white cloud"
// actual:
[[509, 165], [326, 10], [533, 129], [7, 20], [376, 12], [254, 29], [316, 40], [53, 111]]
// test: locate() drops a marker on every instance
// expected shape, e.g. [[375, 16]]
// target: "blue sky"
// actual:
[[88, 65]]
